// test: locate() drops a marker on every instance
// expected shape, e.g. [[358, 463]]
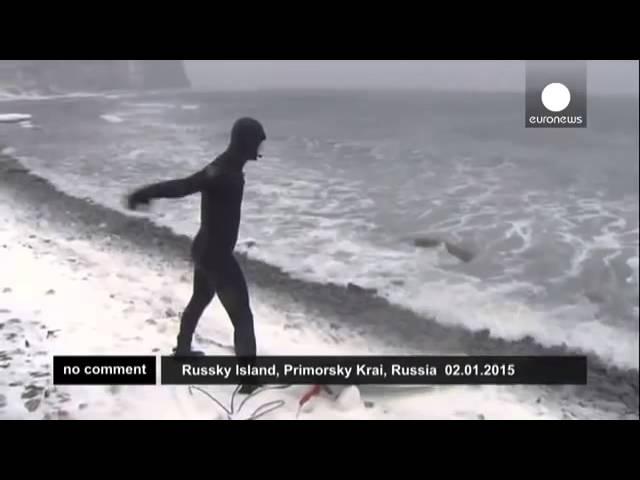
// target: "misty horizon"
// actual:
[[619, 78]]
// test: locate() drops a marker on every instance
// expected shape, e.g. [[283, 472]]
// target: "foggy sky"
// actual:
[[604, 77]]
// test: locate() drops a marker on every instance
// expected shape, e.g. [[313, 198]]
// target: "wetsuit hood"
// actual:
[[246, 136]]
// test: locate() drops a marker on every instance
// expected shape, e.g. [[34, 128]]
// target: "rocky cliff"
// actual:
[[91, 75]]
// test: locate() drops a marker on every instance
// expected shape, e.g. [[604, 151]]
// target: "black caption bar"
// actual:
[[424, 370], [104, 370]]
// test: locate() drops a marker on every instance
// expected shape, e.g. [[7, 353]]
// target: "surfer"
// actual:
[[216, 270]]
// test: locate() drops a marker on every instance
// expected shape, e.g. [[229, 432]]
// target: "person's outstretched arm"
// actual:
[[178, 188]]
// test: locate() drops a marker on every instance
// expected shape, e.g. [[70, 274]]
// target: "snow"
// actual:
[[349, 398], [14, 117], [77, 296]]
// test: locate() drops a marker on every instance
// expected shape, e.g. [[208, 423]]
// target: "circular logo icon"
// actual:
[[556, 97]]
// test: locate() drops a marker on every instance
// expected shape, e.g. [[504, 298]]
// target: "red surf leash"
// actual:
[[314, 391]]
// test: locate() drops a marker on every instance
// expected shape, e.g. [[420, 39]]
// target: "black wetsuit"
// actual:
[[221, 185]]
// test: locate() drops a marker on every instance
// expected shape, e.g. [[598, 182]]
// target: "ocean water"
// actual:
[[350, 179]]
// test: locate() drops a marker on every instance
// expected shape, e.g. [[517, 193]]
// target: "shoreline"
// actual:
[[68, 292], [357, 309]]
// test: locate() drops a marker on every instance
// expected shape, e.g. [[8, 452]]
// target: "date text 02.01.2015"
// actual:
[[480, 370]]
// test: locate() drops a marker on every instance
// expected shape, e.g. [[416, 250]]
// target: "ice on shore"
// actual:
[[14, 117], [112, 118]]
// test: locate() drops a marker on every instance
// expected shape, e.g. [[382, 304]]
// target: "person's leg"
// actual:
[[232, 291], [234, 295], [203, 293]]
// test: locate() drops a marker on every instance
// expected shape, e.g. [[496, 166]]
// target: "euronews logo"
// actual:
[[556, 94]]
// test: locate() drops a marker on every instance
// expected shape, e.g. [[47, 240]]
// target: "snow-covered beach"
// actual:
[[76, 279]]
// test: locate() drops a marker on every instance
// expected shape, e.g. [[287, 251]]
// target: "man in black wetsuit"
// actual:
[[216, 271]]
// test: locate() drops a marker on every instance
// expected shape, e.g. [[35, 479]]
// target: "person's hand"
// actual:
[[135, 199]]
